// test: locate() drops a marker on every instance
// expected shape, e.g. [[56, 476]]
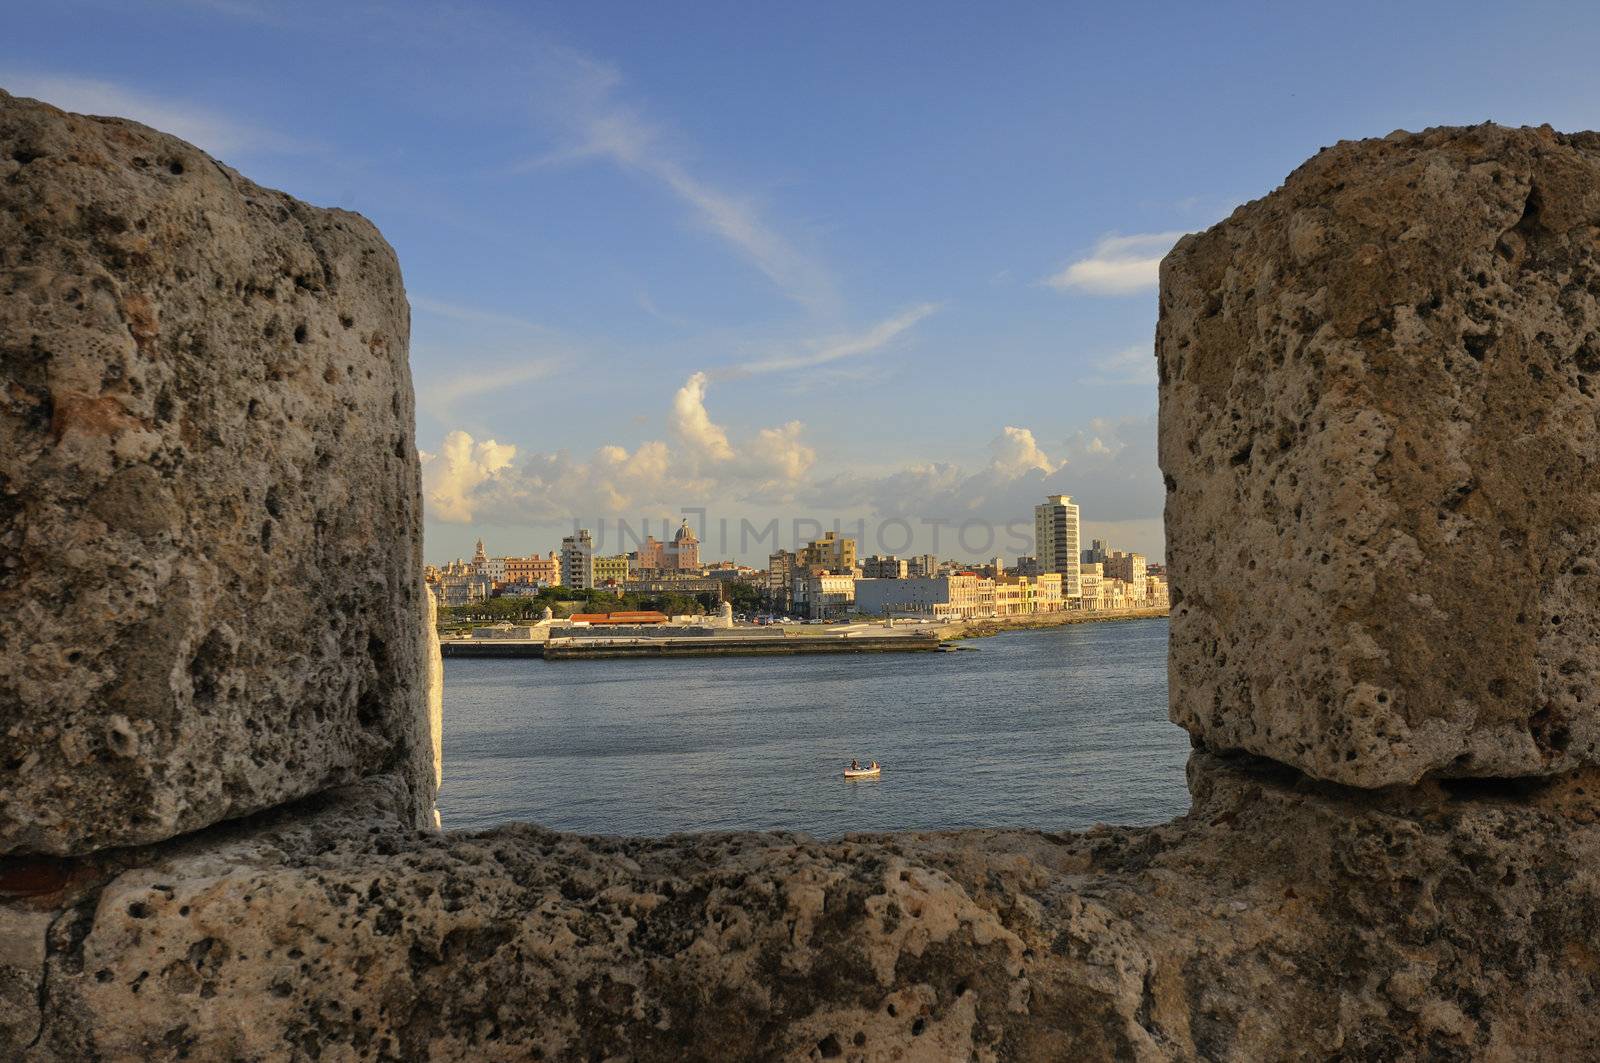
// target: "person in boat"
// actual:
[[874, 766], [855, 765]]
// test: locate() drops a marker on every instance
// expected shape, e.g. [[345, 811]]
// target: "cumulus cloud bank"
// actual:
[[468, 481], [1118, 265], [1109, 467]]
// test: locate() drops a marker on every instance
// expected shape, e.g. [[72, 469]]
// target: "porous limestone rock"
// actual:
[[1281, 919], [434, 698], [1380, 429], [209, 495]]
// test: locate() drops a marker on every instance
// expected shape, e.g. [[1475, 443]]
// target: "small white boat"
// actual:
[[863, 773]]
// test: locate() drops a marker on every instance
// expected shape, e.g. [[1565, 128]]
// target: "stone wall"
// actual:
[[303, 915], [209, 495], [1380, 427]]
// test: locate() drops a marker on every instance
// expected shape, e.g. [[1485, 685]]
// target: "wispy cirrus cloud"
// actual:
[[205, 127], [473, 315], [839, 347], [604, 127], [504, 351], [1118, 265]]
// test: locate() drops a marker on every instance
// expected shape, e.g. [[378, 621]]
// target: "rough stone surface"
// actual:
[[434, 692], [1282, 919], [209, 497], [1380, 428]]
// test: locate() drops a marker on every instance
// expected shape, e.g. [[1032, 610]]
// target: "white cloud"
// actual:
[[1016, 453], [1118, 265], [838, 347], [204, 127], [777, 461], [694, 426], [469, 481], [1131, 365], [1018, 475], [451, 477]]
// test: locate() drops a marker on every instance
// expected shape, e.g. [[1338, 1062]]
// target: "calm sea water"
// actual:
[[1058, 728]]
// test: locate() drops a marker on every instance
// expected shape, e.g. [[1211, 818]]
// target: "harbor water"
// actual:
[[1058, 728]]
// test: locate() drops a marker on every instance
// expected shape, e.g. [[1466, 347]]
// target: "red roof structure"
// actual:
[[635, 616]]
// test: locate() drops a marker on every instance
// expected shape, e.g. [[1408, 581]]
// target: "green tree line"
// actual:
[[564, 601]]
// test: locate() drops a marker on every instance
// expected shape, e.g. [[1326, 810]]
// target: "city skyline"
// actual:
[[732, 541], [827, 578]]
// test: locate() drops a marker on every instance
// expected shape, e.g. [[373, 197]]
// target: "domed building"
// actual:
[[685, 549]]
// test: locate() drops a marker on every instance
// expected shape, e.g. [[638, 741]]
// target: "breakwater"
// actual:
[[723, 646]]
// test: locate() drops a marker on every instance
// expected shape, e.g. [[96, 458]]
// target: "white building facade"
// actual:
[[1055, 533]]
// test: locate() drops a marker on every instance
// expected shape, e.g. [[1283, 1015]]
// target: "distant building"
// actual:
[[993, 568], [577, 561], [462, 589], [674, 583], [1091, 577], [923, 566], [1129, 568], [685, 550], [821, 595], [886, 567], [1047, 597], [534, 569], [728, 572], [1026, 565], [781, 567], [830, 553], [1096, 554], [1055, 532], [611, 569], [492, 569], [1016, 595], [960, 596], [651, 555]]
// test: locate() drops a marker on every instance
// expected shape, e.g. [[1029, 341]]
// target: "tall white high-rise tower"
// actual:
[[1055, 534]]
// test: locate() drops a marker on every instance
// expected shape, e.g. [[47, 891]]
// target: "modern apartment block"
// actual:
[[885, 567], [923, 566], [577, 561], [1055, 533], [1129, 568], [781, 567], [830, 553]]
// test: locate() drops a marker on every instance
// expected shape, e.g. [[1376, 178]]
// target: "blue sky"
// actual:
[[865, 263]]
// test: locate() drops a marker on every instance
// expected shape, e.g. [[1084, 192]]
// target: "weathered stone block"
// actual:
[[1380, 428], [209, 497], [1280, 920]]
